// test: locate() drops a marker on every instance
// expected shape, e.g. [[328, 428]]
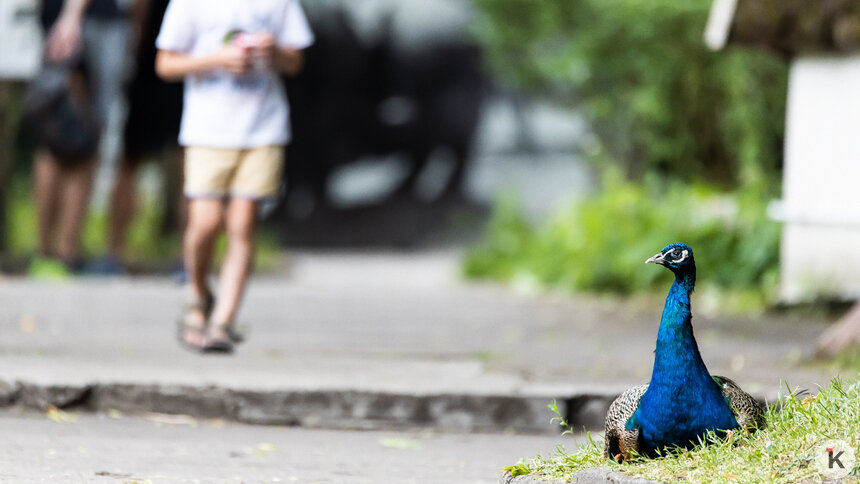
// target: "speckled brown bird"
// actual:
[[620, 441]]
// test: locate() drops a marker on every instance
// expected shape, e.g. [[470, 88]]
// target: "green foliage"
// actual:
[[656, 97], [144, 239], [519, 469], [600, 244], [559, 418], [146, 245], [782, 452]]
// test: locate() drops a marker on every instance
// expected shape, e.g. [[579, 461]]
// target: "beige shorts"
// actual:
[[253, 173]]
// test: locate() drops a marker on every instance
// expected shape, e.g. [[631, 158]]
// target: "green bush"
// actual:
[[700, 132], [600, 244], [657, 98]]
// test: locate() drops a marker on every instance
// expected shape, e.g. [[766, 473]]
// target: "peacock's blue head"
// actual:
[[676, 257]]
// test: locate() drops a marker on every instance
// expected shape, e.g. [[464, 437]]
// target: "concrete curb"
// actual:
[[318, 408], [588, 476]]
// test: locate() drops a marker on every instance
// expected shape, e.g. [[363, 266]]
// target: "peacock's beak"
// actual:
[[656, 259]]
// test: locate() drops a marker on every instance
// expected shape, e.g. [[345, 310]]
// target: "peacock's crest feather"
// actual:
[[683, 401]]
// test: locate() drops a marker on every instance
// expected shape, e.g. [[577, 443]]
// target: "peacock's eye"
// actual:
[[676, 253]]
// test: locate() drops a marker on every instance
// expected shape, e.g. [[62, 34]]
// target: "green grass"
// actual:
[[782, 452], [146, 245]]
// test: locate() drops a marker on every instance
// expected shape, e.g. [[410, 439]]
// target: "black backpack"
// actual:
[[55, 121]]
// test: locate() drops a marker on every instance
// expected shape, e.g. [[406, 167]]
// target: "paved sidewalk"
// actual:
[[366, 340], [159, 448]]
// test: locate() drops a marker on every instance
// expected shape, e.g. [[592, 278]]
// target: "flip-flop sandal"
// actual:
[[235, 336], [218, 346], [222, 346], [184, 328]]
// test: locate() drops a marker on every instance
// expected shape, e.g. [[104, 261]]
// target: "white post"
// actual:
[[820, 254]]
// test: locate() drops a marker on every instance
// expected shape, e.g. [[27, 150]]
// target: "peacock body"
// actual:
[[683, 401]]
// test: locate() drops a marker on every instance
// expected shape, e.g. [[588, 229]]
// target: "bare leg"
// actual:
[[46, 184], [122, 209], [241, 233], [175, 206], [204, 221], [73, 209]]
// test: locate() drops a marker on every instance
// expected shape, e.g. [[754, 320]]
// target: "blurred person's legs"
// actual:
[[207, 176], [123, 205], [102, 39], [62, 187], [241, 227], [46, 191], [74, 201], [61, 191], [212, 175], [61, 196], [151, 131], [176, 206], [257, 175], [107, 50], [204, 224]]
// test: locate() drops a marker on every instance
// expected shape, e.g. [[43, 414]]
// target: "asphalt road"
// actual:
[[167, 448]]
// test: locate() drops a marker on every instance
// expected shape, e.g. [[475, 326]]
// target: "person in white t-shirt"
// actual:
[[235, 123]]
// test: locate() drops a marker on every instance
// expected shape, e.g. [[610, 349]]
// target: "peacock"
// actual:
[[683, 401]]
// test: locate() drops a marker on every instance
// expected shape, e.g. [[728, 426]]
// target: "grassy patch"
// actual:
[[147, 246], [785, 451], [600, 244]]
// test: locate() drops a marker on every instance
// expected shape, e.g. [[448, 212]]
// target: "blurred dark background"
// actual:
[[403, 136], [541, 135]]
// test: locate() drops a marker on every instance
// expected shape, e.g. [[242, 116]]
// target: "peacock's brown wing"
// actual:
[[618, 440], [748, 412]]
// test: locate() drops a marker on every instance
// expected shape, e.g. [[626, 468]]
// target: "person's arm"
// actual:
[[65, 36], [289, 61], [174, 66], [282, 59]]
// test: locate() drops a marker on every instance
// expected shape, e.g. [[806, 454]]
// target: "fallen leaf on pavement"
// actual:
[[27, 324], [170, 419], [261, 450], [113, 414], [60, 416]]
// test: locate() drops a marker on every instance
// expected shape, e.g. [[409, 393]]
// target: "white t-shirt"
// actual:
[[223, 110]]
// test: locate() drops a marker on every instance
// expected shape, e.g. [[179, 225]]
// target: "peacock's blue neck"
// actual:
[[677, 358], [682, 400]]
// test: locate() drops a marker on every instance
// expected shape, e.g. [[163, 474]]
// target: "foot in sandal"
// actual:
[[218, 339], [192, 325]]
